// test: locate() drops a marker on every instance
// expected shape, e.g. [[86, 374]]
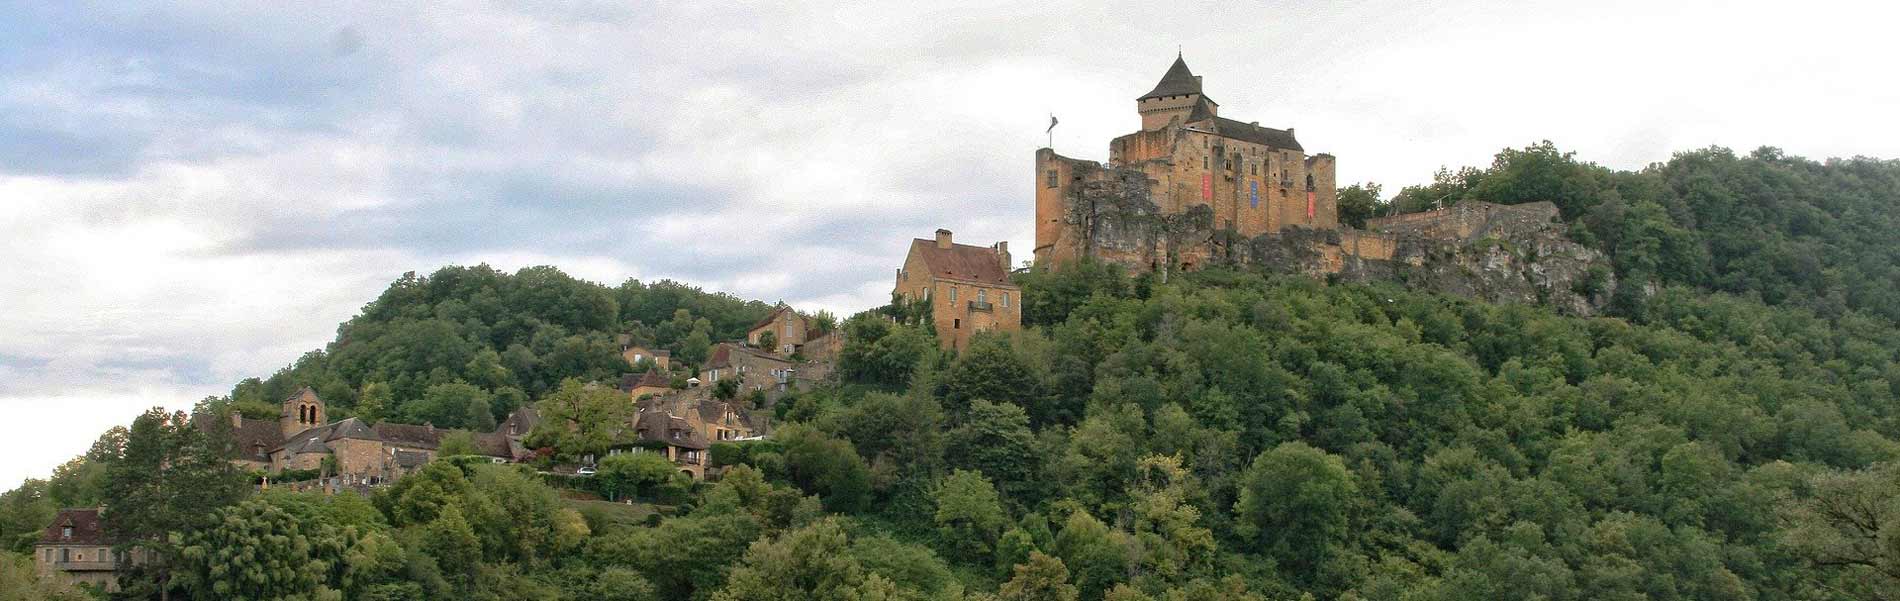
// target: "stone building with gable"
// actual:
[[354, 450], [752, 368], [788, 329], [968, 287], [75, 549]]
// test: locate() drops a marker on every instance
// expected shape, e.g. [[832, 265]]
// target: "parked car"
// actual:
[[585, 471]]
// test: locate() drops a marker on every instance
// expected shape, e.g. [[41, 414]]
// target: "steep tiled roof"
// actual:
[[1248, 132], [87, 528], [659, 425], [523, 420], [652, 378], [962, 261], [493, 445], [408, 435], [411, 458], [309, 441], [1178, 81], [256, 438]]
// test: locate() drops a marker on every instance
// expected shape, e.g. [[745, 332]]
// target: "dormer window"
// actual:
[[66, 533]]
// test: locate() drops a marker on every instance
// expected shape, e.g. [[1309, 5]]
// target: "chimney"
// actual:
[[943, 238], [1002, 250]]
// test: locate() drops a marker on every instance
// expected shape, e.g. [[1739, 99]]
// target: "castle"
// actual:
[[1189, 169], [1193, 189]]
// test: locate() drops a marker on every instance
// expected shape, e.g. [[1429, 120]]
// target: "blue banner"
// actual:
[[1253, 189]]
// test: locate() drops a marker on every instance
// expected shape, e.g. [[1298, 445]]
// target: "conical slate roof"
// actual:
[[1178, 81]]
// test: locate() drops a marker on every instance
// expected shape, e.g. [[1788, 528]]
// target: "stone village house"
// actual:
[[968, 287], [76, 550], [788, 329]]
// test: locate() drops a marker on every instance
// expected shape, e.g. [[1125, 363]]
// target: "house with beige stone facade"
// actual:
[[75, 549], [967, 287]]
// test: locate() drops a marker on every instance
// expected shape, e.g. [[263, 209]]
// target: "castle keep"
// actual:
[[1188, 174]]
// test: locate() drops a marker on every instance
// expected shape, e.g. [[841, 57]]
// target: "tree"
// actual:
[[1169, 539], [768, 341], [726, 389], [990, 370], [375, 402], [451, 542], [24, 513], [811, 563], [455, 404], [826, 466], [1845, 530], [969, 516], [1044, 578], [460, 442], [695, 348], [995, 440], [172, 478], [1293, 504], [257, 551], [20, 581], [634, 474], [1098, 555], [1357, 203], [581, 419]]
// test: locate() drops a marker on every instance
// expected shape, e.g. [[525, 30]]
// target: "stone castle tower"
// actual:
[[302, 410], [1174, 194]]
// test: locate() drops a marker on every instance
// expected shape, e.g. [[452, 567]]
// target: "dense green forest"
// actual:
[[1729, 431], [430, 347]]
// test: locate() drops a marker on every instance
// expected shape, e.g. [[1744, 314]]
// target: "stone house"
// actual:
[[754, 369], [682, 427], [635, 353], [788, 329], [968, 287], [651, 382], [76, 549]]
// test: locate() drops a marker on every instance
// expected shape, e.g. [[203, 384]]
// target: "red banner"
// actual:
[[1207, 186], [1309, 204]]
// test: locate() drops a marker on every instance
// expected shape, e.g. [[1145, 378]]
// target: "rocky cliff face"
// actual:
[[1529, 265], [1496, 253]]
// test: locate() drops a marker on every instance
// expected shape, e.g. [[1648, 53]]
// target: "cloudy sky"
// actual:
[[192, 193]]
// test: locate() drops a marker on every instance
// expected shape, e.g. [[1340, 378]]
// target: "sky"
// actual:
[[194, 193]]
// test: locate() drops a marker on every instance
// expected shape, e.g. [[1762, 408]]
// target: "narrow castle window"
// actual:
[[1052, 178], [982, 296], [1005, 300], [953, 294], [956, 324]]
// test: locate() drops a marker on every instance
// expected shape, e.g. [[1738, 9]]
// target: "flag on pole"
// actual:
[[1052, 123]]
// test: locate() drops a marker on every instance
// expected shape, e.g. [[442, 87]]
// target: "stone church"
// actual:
[[360, 452]]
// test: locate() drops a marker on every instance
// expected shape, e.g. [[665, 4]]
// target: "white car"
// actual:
[[585, 471]]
